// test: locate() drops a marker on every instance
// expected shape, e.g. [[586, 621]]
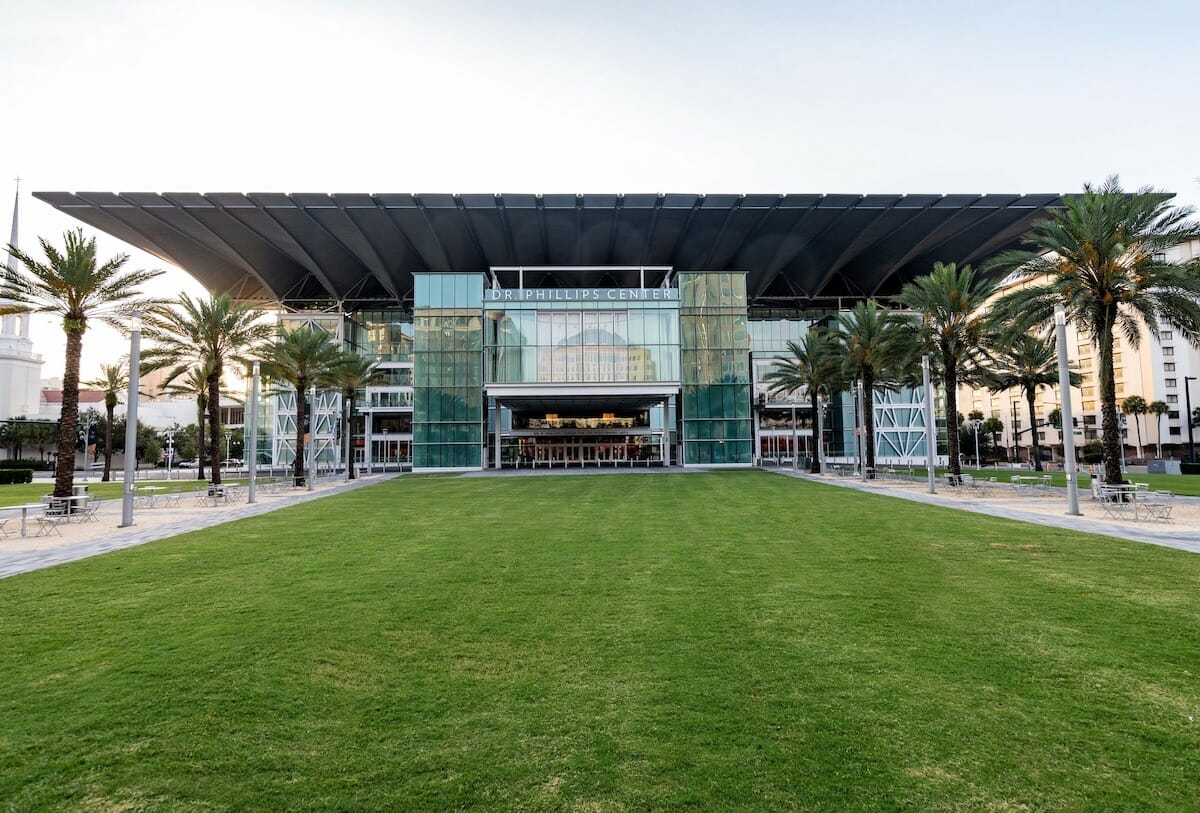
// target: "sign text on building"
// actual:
[[581, 295]]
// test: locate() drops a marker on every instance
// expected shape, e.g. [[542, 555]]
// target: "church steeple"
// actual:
[[14, 326]]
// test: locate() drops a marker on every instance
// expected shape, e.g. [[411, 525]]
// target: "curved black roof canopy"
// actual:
[[362, 250]]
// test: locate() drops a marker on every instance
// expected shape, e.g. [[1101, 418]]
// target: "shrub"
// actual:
[[12, 476], [1189, 468], [36, 465]]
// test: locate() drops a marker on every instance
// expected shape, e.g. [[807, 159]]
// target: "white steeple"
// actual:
[[20, 367]]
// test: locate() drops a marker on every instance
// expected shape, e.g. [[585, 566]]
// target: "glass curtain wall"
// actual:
[[448, 381], [581, 342], [715, 366]]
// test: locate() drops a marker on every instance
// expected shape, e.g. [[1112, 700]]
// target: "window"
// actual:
[[1041, 435], [1170, 382], [1172, 399], [1165, 335], [1089, 420], [1168, 351], [1160, 257], [1173, 415], [1174, 430], [1169, 367], [1089, 392]]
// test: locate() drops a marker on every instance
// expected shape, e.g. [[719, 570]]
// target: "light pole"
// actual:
[[975, 425], [930, 428], [1187, 397], [170, 434], [795, 441], [312, 437], [386, 449], [1068, 422], [87, 435], [1121, 422], [253, 417], [1016, 435], [131, 405]]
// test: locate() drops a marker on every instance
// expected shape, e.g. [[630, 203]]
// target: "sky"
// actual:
[[379, 96]]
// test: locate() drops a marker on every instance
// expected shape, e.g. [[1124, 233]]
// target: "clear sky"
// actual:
[[362, 96]]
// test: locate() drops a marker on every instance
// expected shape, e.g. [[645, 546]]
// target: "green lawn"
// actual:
[[31, 492], [706, 641], [1186, 484]]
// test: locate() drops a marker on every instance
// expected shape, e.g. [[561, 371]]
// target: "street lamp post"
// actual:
[[386, 449], [975, 425], [1068, 422], [253, 419], [795, 442], [170, 434], [1016, 435], [87, 434], [930, 427], [1121, 421], [312, 437], [1187, 398], [131, 405]]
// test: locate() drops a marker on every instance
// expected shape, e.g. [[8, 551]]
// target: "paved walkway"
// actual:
[[1166, 535], [21, 555]]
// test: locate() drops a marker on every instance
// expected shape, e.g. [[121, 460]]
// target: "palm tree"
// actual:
[[1102, 257], [75, 286], [211, 332], [352, 373], [302, 358], [191, 381], [867, 343], [1136, 406], [1026, 363], [812, 367], [951, 328], [113, 382], [1158, 409]]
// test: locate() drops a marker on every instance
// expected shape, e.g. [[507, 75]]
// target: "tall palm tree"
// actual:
[[113, 382], [1136, 406], [1102, 257], [74, 285], [1158, 409], [302, 358], [191, 381], [352, 373], [215, 331], [812, 367], [1027, 364], [952, 328], [867, 342]]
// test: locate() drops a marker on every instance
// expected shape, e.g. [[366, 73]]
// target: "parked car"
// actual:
[[231, 463], [188, 464]]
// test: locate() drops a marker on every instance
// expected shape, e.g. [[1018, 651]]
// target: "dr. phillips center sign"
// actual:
[[536, 295]]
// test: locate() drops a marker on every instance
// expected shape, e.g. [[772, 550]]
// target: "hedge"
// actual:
[[1189, 468], [11, 476], [36, 465]]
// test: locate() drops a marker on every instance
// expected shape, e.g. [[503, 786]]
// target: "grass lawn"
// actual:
[[1185, 484], [23, 493], [713, 641]]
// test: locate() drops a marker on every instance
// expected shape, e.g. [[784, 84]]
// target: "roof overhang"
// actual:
[[361, 250]]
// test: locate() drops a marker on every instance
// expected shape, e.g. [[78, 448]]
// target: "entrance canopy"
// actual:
[[361, 250], [572, 399]]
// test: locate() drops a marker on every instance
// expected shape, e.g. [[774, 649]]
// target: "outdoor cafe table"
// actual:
[[24, 512], [151, 493]]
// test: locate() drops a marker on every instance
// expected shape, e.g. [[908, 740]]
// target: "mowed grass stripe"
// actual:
[[720, 640]]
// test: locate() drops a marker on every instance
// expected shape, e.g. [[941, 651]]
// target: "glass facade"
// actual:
[[384, 336], [581, 342], [715, 366], [448, 375]]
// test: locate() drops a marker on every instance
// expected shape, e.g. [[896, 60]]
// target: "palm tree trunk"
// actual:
[[201, 453], [1158, 435], [950, 365], [214, 421], [298, 463], [108, 445], [1137, 423], [64, 471], [1112, 441], [816, 422], [1035, 448], [868, 408]]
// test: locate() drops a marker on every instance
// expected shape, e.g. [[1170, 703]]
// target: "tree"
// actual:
[[302, 358], [147, 447], [1103, 259], [812, 366], [113, 382], [191, 381], [952, 328], [73, 285], [1136, 406], [352, 373], [993, 427], [1158, 409], [866, 341], [212, 332], [1027, 364]]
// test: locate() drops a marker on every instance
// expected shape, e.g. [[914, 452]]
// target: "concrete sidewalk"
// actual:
[[23, 554], [1044, 512]]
